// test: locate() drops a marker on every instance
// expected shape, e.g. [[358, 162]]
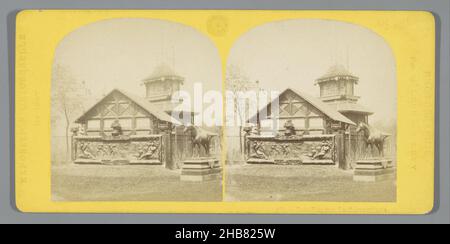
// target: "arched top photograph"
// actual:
[[114, 100], [335, 112]]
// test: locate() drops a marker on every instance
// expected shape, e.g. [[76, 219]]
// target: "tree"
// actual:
[[238, 82], [67, 98]]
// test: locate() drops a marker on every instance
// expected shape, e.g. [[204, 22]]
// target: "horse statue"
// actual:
[[200, 138], [372, 137]]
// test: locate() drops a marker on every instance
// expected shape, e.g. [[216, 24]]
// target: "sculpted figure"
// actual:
[[372, 137], [259, 151], [290, 128], [147, 151], [75, 131], [81, 130], [200, 138], [286, 149], [251, 130], [321, 150], [102, 150], [78, 131], [117, 128], [84, 151]]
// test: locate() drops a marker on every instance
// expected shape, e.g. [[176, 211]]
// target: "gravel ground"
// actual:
[[128, 183], [244, 183], [302, 183]]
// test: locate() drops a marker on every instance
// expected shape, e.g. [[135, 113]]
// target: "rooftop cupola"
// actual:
[[162, 83], [337, 84], [337, 88]]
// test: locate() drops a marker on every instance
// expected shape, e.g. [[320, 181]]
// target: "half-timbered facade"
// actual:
[[122, 128], [309, 115], [302, 129], [336, 108], [135, 115]]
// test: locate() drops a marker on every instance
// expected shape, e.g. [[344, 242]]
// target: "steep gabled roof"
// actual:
[[143, 103], [321, 106]]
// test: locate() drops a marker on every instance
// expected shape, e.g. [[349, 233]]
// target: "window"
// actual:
[[107, 124], [350, 88], [268, 123], [330, 89], [299, 123], [126, 123], [93, 124], [315, 123], [142, 123]]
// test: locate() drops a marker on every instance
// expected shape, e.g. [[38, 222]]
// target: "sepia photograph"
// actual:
[[205, 113], [119, 129], [137, 117], [317, 112]]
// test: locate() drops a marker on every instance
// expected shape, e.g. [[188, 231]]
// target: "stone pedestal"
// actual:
[[201, 169], [373, 170]]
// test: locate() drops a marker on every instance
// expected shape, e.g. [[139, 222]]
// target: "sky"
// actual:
[[295, 53], [120, 53]]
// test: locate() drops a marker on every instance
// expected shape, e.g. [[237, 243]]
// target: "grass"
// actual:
[[128, 183], [302, 183]]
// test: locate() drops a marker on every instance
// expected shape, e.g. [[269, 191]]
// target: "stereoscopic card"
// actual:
[[221, 111]]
